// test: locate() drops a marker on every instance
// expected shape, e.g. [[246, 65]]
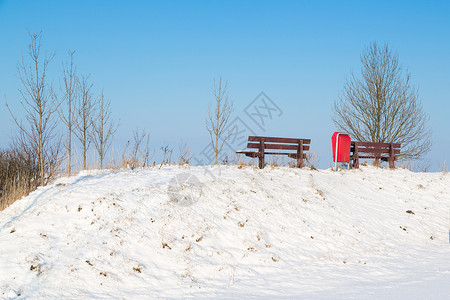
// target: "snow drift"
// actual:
[[230, 232]]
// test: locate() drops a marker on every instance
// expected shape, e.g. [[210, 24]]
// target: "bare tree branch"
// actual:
[[103, 128], [217, 119], [69, 115], [39, 103], [85, 112], [381, 105]]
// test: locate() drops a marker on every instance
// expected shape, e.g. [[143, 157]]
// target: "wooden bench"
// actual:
[[382, 151], [293, 148]]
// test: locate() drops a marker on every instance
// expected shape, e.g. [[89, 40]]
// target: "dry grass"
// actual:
[[184, 154], [274, 161], [242, 161], [13, 191], [423, 165], [19, 174], [312, 160], [443, 167], [377, 163], [136, 152]]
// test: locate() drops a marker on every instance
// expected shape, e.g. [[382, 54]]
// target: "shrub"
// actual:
[[19, 175]]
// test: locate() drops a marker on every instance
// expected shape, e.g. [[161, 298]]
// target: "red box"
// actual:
[[341, 142]]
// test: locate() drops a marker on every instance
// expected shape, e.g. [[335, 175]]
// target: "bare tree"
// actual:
[[185, 154], [140, 151], [103, 128], [69, 114], [167, 154], [381, 105], [40, 105], [85, 111], [217, 119]]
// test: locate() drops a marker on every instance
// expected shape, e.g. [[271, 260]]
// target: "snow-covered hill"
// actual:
[[230, 232]]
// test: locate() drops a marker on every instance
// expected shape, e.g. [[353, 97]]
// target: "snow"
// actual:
[[230, 232]]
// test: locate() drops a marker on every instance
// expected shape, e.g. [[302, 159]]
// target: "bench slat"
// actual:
[[370, 144], [369, 156], [375, 150], [276, 146], [255, 154], [278, 140], [291, 155]]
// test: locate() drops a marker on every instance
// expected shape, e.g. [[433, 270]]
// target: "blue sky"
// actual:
[[156, 60]]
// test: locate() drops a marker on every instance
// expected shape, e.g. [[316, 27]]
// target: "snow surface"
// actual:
[[230, 232]]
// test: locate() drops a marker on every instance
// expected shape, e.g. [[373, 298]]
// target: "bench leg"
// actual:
[[299, 162], [356, 163], [261, 154], [356, 157], [300, 155], [391, 157]]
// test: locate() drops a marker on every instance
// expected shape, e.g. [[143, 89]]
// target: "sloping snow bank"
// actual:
[[230, 232]]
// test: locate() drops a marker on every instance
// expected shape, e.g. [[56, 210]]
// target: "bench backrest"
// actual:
[[277, 143], [375, 148]]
